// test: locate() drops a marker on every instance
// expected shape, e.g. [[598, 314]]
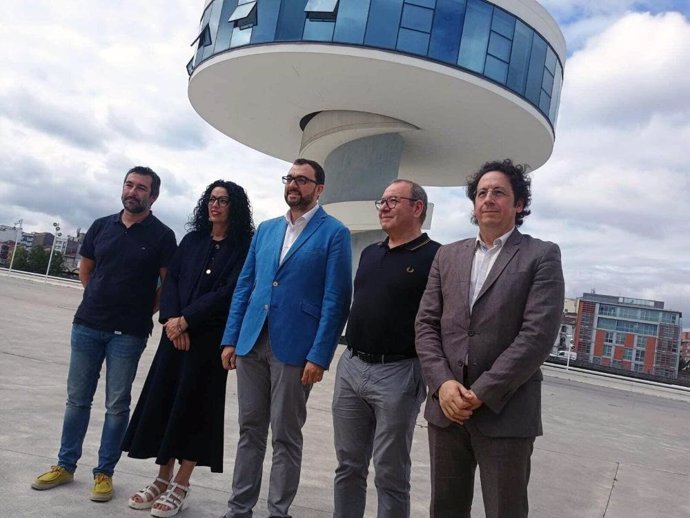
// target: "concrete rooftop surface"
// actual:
[[607, 452]]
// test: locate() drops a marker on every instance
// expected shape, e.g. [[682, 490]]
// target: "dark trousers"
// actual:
[[504, 469]]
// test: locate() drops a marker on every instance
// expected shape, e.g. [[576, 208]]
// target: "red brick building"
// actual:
[[637, 335]]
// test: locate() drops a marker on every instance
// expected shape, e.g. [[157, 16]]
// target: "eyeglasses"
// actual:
[[497, 193], [392, 201], [222, 201], [301, 180]]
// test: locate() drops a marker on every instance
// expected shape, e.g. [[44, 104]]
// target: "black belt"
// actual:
[[379, 358]]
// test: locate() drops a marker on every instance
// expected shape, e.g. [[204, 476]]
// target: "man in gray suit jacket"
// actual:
[[488, 318]]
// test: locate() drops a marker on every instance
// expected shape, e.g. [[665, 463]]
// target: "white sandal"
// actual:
[[174, 501], [148, 495]]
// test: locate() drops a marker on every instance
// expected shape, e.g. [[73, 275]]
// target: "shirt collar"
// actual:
[[410, 245], [497, 243], [306, 217], [117, 218]]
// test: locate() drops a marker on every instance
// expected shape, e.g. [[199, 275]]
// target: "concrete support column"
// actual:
[[361, 154]]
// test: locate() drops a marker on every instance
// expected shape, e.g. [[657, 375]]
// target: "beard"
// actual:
[[134, 205], [302, 202]]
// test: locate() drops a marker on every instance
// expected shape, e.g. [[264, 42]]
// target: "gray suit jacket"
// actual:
[[498, 349]]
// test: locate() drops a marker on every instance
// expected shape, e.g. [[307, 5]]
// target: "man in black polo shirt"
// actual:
[[379, 386], [123, 256]]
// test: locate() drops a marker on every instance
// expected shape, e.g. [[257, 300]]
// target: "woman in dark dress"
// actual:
[[180, 412]]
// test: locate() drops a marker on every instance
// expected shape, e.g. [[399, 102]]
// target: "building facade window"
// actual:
[[608, 349], [639, 355], [607, 310], [321, 9], [474, 35], [244, 15], [627, 354], [620, 338], [609, 336]]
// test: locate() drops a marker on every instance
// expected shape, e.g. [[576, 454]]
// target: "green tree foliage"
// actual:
[[21, 259], [36, 261]]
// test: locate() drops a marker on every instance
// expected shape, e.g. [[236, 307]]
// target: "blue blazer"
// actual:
[[306, 298]]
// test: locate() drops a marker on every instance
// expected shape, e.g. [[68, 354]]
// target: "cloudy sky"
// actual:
[[90, 88]]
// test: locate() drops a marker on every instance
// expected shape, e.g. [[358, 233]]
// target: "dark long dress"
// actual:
[[181, 409]]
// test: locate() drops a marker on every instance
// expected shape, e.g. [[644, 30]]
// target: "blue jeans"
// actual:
[[121, 353]]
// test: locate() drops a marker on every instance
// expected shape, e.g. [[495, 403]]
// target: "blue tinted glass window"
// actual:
[[291, 20], [475, 35], [351, 22], [499, 47], [384, 21], [318, 30], [547, 82], [550, 60], [536, 69], [423, 3], [242, 11], [240, 37], [503, 23], [267, 20], [203, 35], [417, 18], [446, 31], [224, 28], [519, 58], [413, 41], [496, 69], [213, 23], [556, 94], [321, 6], [544, 102]]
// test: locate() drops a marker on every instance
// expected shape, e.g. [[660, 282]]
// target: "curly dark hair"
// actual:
[[240, 222], [519, 181]]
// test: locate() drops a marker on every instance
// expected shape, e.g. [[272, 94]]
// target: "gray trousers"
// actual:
[[375, 407], [268, 392], [504, 470]]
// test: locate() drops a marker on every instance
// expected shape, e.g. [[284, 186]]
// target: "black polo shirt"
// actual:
[[120, 295], [388, 287]]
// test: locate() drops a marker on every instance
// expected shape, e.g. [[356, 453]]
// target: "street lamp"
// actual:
[[568, 354], [18, 232], [52, 248]]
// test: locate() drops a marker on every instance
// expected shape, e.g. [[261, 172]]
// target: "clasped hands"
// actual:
[[457, 402], [176, 331]]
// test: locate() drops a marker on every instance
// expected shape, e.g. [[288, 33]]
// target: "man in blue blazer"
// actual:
[[287, 314]]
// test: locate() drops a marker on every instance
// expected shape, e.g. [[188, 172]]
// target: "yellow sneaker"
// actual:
[[56, 476], [102, 488]]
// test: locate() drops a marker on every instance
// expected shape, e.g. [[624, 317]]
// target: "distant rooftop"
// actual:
[[627, 301]]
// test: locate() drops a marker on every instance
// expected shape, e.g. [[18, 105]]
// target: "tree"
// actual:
[[21, 259], [57, 265], [36, 261]]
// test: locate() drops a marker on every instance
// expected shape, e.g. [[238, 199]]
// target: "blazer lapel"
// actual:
[[308, 231], [465, 259], [275, 241], [506, 254]]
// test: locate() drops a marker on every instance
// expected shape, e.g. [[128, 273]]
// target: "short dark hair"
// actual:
[[417, 192], [318, 170], [519, 181], [147, 171]]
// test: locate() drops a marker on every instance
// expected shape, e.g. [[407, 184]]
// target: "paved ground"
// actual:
[[607, 452]]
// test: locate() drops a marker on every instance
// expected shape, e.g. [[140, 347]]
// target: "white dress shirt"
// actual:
[[293, 230], [484, 259]]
